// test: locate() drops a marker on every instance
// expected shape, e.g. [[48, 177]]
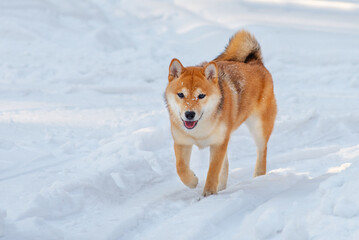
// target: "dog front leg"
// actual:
[[218, 154], [183, 155]]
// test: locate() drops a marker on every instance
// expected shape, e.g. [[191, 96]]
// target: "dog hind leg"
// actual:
[[255, 126], [223, 177]]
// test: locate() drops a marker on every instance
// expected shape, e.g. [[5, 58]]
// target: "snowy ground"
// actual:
[[85, 146]]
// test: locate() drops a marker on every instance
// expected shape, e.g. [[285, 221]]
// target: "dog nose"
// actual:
[[190, 115]]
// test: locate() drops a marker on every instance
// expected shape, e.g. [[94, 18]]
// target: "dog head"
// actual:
[[192, 94]]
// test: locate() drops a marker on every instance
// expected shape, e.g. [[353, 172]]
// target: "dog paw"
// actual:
[[209, 192], [257, 174], [190, 180], [193, 182]]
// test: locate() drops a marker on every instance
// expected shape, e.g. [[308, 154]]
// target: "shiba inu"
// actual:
[[206, 103]]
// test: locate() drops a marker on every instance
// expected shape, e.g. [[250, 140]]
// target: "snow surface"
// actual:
[[85, 145]]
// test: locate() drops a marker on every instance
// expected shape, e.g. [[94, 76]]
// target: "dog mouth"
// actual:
[[190, 124]]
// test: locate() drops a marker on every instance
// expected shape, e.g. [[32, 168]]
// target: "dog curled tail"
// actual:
[[242, 47]]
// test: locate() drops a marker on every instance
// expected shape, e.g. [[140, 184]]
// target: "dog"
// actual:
[[206, 103]]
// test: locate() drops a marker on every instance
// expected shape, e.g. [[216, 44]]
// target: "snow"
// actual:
[[85, 145]]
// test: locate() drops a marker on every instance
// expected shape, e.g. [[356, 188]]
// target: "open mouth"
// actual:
[[190, 124]]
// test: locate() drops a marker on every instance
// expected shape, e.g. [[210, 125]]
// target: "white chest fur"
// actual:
[[201, 137]]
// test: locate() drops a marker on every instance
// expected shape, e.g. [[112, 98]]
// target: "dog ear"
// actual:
[[211, 72], [175, 69]]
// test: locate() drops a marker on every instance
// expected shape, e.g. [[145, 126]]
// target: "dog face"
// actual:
[[192, 94]]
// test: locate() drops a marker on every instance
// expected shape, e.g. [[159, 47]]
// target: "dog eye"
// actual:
[[180, 95], [201, 96]]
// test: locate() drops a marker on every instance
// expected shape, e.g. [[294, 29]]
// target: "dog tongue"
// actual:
[[190, 124]]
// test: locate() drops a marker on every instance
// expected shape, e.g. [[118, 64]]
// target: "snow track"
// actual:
[[85, 146]]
